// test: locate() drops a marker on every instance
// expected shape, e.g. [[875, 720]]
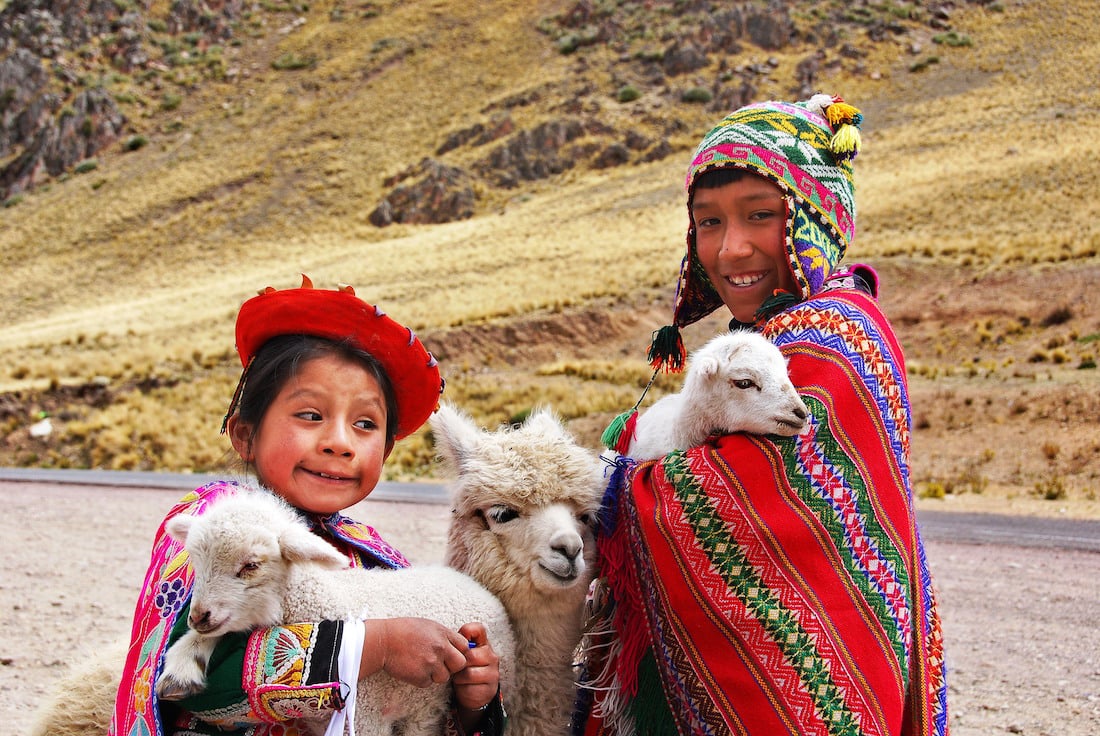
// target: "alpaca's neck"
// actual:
[[546, 630], [546, 639]]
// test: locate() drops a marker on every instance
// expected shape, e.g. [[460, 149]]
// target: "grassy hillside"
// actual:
[[978, 165]]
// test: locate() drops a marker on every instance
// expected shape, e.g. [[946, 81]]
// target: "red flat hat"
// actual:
[[340, 315]]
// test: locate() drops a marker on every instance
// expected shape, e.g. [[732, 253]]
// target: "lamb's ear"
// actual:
[[179, 526], [708, 365], [455, 435], [299, 544]]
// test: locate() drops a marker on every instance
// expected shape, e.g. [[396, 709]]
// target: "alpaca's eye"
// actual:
[[587, 519], [248, 569], [743, 383], [503, 514]]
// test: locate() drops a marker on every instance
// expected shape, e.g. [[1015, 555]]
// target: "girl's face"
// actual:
[[322, 442], [740, 233]]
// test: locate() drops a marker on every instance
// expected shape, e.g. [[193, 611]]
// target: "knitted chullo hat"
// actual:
[[806, 148], [342, 316]]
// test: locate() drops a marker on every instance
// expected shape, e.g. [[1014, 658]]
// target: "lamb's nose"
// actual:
[[198, 618]]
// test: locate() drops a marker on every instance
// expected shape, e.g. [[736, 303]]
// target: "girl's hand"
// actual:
[[478, 683], [414, 650]]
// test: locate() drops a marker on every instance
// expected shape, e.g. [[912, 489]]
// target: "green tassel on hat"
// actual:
[[620, 432]]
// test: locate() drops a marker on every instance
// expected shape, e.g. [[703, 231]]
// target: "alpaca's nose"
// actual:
[[800, 412], [567, 548]]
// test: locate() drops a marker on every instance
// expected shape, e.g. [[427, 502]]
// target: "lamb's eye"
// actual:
[[743, 383], [248, 569], [503, 514]]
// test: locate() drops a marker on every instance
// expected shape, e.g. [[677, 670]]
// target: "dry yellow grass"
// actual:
[[136, 269], [991, 159]]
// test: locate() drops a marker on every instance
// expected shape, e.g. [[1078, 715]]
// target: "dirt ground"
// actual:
[[1020, 624]]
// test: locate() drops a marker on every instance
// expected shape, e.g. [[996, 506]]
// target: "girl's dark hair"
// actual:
[[719, 177], [281, 358]]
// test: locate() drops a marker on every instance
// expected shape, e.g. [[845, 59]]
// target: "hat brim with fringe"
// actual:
[[340, 315]]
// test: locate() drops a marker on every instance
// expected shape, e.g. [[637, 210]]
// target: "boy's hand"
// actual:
[[414, 650]]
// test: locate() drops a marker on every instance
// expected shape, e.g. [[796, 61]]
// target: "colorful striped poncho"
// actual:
[[769, 586]]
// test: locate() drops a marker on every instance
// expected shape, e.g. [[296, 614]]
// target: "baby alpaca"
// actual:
[[525, 500], [737, 382], [257, 564]]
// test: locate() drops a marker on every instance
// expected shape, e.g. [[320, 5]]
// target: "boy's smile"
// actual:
[[740, 239]]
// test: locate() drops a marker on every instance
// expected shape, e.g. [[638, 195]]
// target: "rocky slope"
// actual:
[[74, 74]]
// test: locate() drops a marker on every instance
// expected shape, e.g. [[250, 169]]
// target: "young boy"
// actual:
[[770, 585]]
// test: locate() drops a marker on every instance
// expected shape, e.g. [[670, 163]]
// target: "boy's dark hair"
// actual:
[[719, 177], [280, 359]]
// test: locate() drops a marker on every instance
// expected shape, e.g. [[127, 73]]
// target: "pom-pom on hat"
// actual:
[[806, 148], [341, 315]]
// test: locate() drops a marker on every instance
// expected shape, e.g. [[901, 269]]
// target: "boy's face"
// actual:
[[322, 442], [740, 233]]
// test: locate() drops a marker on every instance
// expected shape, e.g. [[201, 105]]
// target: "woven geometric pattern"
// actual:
[[781, 585]]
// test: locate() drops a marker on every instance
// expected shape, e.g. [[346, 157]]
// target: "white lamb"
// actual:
[[257, 564], [525, 502], [737, 382]]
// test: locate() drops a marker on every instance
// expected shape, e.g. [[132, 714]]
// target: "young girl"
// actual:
[[329, 384], [771, 585]]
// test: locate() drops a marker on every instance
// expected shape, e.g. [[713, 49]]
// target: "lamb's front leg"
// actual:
[[184, 672]]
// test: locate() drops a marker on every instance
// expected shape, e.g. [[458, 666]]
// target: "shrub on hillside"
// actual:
[[134, 142], [697, 95], [628, 93], [291, 61]]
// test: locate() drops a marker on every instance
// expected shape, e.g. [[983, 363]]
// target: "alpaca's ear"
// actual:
[[178, 527], [545, 420], [299, 544], [455, 436]]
